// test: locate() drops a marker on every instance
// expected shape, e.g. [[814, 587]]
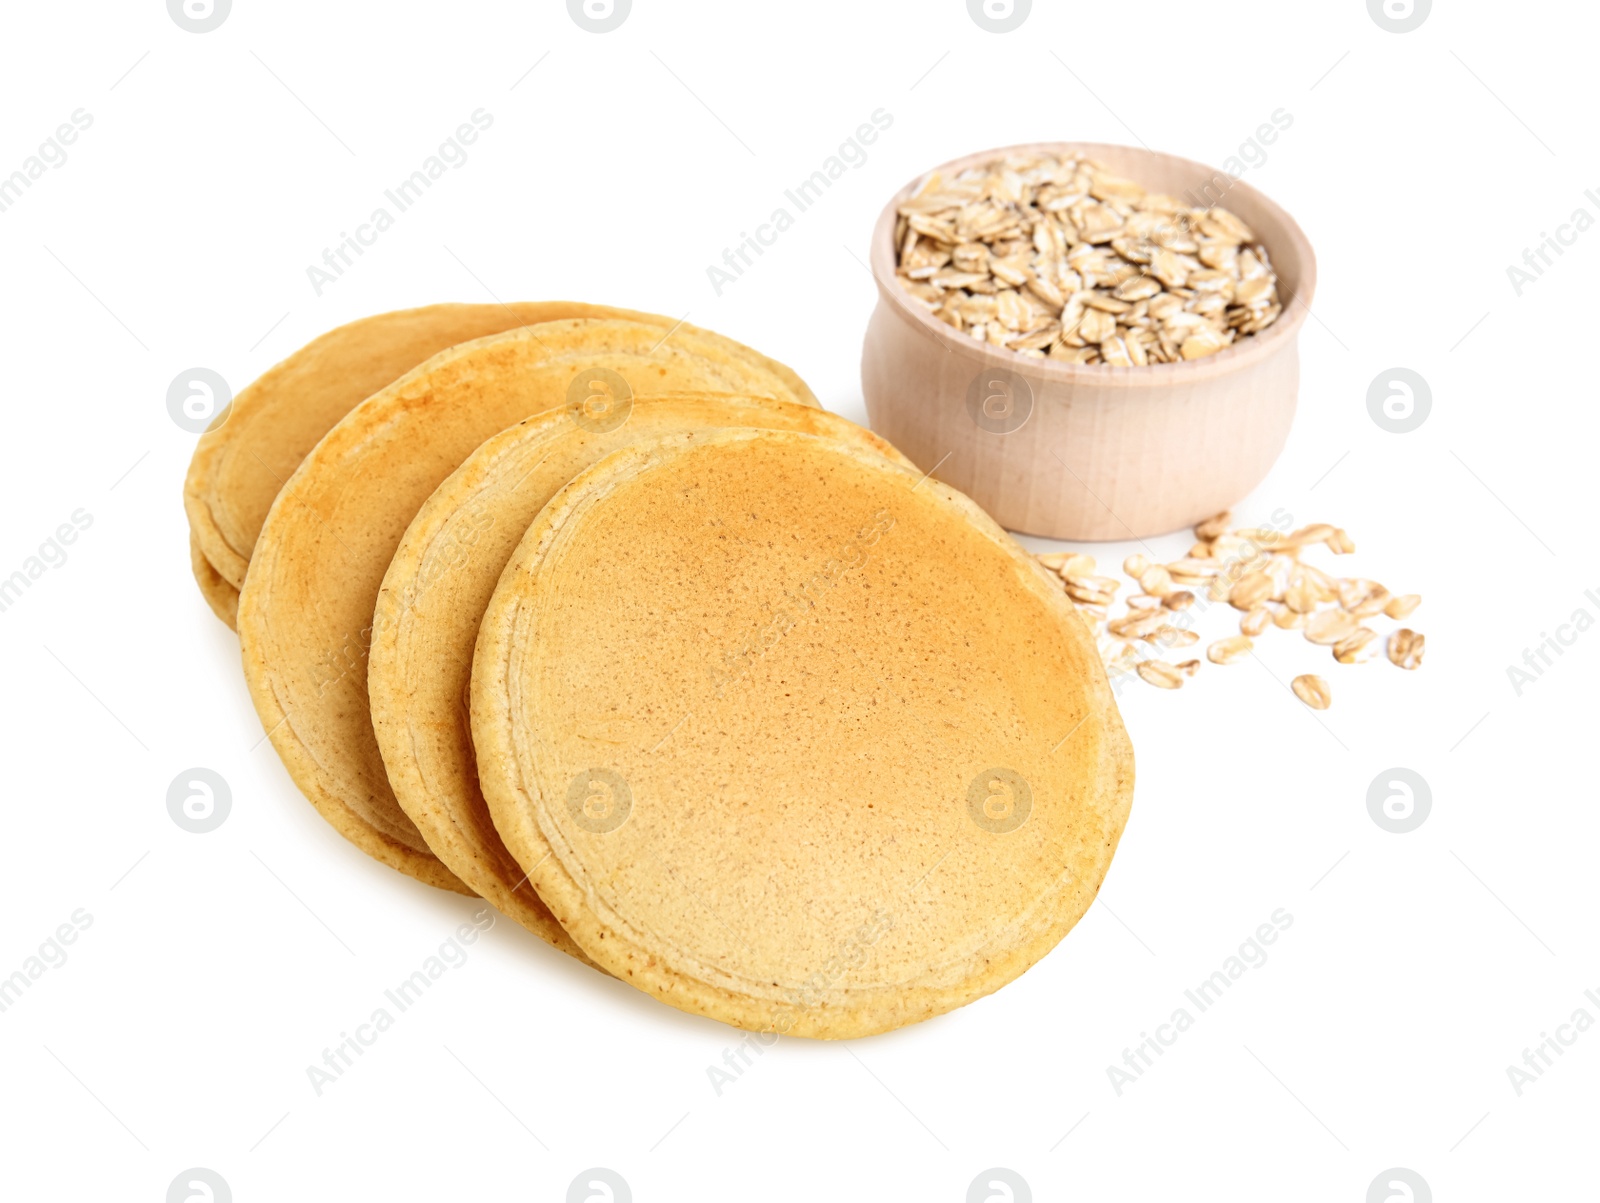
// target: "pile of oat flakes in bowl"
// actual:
[[1057, 258], [1258, 572]]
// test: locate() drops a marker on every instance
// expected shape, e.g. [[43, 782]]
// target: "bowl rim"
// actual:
[[1237, 358]]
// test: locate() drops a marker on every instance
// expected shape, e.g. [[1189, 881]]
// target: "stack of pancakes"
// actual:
[[599, 616]]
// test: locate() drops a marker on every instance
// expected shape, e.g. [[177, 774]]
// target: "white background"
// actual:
[[218, 967]]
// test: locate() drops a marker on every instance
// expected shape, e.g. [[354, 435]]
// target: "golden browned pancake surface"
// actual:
[[240, 464], [222, 597], [788, 735], [305, 613], [440, 581]]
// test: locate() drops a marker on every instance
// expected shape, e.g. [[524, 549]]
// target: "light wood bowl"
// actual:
[[1102, 453]]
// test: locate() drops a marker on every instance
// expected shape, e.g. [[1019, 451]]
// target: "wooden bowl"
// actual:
[[1091, 451]]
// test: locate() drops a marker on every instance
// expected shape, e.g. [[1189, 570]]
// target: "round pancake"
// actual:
[[240, 464], [305, 613], [420, 664], [222, 597], [791, 736]]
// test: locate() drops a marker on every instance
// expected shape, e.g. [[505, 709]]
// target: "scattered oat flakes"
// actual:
[[1288, 620], [1362, 598], [1402, 606], [1313, 691], [1226, 651], [1139, 625], [1092, 590], [1357, 647], [1156, 581], [1068, 563], [1121, 657], [1300, 596], [1192, 569], [1255, 621], [1253, 589], [1160, 674], [1317, 532], [1330, 626], [1406, 648], [1254, 569]]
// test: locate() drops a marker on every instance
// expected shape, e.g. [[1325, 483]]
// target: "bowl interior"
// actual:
[[1199, 185], [1194, 184]]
